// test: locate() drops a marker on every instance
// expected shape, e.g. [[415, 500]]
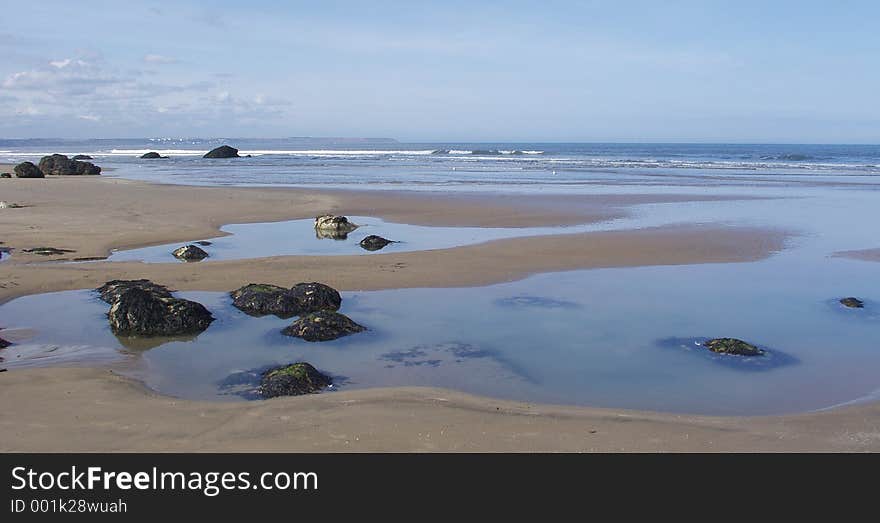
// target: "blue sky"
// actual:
[[443, 71]]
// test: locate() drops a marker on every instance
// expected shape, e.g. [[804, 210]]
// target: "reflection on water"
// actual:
[[611, 337], [299, 237]]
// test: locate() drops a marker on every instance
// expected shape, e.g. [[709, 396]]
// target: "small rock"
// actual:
[[374, 243], [732, 346], [151, 156], [330, 222], [190, 253], [138, 312], [224, 151], [4, 343], [5, 175], [292, 380], [203, 243], [28, 170], [322, 326], [82, 157], [852, 303]]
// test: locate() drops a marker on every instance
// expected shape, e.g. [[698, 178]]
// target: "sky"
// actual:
[[563, 71]]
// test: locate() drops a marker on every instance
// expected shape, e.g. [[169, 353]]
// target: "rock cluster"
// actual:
[[261, 299], [58, 164]]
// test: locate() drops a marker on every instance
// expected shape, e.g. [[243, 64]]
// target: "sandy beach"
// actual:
[[80, 409]]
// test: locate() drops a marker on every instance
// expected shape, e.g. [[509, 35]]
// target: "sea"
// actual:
[[389, 164]]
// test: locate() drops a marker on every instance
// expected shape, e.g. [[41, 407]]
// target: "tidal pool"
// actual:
[[610, 337]]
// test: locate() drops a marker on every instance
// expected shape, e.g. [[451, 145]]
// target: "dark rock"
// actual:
[[322, 326], [261, 299], [224, 151], [4, 343], [151, 156], [852, 303], [58, 164], [6, 175], [82, 157], [331, 224], [112, 290], [203, 243], [292, 380], [732, 346], [28, 170], [47, 251], [374, 243], [142, 313], [190, 253]]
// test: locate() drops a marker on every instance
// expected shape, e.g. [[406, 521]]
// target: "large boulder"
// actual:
[[732, 346], [322, 326], [112, 290], [152, 155], [374, 243], [138, 312], [190, 253], [260, 299], [852, 303], [58, 164], [28, 170], [292, 380], [224, 151]]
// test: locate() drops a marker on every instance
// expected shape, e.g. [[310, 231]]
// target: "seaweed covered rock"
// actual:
[[732, 346], [190, 253], [292, 380], [58, 164], [47, 251], [261, 299], [138, 312], [374, 243], [852, 303], [332, 226], [113, 289], [322, 326], [28, 170], [152, 155], [224, 151]]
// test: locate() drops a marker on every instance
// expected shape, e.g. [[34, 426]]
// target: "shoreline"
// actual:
[[94, 410]]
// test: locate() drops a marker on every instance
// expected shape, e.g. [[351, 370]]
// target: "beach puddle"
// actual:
[[622, 338], [299, 237]]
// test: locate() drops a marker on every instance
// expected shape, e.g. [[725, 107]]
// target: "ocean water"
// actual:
[[366, 164]]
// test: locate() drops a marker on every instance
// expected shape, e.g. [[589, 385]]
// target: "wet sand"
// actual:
[[98, 411], [864, 255], [67, 409]]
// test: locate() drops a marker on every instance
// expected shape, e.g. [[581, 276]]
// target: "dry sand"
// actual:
[[66, 409]]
